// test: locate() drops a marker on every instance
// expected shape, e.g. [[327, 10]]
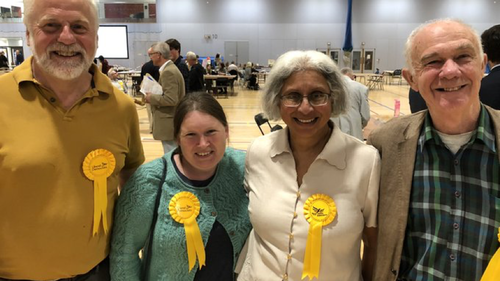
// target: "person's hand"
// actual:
[[148, 97]]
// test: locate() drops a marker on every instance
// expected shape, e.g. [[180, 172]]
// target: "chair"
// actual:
[[231, 82], [397, 75], [260, 120], [376, 82]]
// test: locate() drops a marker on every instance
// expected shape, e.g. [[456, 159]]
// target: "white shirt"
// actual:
[[162, 67], [358, 112], [346, 170]]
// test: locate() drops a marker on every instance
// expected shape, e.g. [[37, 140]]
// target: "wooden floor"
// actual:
[[244, 104]]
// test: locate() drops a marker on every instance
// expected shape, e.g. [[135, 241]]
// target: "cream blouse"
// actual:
[[347, 170]]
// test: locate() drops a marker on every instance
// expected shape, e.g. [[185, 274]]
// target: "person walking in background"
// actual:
[[489, 93], [309, 181], [68, 140], [153, 70], [4, 62], [163, 106], [176, 57], [196, 82], [439, 190], [358, 113], [202, 173], [417, 103], [104, 65], [19, 57]]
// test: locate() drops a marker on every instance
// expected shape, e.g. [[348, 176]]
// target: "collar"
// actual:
[[334, 151], [164, 65], [100, 82], [484, 132], [495, 66]]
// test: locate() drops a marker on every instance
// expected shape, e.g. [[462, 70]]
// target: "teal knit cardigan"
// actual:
[[224, 200]]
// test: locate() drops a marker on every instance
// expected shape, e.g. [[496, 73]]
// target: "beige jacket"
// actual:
[[397, 144], [163, 106]]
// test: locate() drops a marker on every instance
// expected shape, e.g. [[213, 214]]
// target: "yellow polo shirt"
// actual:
[[46, 202]]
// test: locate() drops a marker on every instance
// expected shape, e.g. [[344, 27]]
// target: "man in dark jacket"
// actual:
[[196, 82], [175, 53], [490, 85], [4, 62]]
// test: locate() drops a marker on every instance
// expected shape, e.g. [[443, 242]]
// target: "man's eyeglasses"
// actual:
[[314, 99], [150, 55]]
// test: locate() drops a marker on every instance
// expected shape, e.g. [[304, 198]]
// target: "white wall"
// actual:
[[274, 26]]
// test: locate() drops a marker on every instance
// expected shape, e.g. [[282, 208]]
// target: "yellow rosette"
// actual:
[[184, 208], [98, 165], [492, 272], [319, 210]]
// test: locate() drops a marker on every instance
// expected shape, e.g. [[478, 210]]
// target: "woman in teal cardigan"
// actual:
[[202, 218]]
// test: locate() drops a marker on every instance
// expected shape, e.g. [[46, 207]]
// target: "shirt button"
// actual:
[[288, 257], [295, 214], [452, 257], [285, 276], [207, 190], [457, 194], [298, 194], [455, 225], [455, 162], [290, 236], [214, 214], [52, 99]]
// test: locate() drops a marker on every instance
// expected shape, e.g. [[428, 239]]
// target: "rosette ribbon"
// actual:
[[319, 210], [98, 165], [184, 207], [492, 272]]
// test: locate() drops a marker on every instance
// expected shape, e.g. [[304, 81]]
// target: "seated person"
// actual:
[[119, 84], [251, 77]]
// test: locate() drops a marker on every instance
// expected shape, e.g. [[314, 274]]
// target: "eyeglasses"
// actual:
[[314, 99], [150, 55]]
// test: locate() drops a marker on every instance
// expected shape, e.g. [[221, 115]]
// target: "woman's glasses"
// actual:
[[314, 99]]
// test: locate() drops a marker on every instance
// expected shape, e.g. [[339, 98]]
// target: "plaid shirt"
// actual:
[[454, 209]]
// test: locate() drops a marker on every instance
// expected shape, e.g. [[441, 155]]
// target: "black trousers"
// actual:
[[98, 273]]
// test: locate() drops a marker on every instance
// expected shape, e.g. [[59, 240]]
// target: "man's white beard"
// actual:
[[67, 70]]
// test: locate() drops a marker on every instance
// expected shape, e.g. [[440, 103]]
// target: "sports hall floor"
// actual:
[[241, 107]]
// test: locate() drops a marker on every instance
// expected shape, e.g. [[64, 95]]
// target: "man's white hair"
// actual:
[[30, 13], [409, 46]]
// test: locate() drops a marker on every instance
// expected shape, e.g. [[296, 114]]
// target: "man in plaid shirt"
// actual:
[[439, 208]]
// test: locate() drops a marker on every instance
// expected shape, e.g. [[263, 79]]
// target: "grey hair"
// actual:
[[162, 48], [190, 55], [408, 52], [295, 61], [30, 13]]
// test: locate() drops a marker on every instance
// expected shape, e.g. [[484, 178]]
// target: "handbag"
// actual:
[[148, 249]]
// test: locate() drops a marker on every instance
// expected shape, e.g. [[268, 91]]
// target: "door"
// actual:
[[363, 60], [334, 54], [356, 61], [369, 57], [237, 51]]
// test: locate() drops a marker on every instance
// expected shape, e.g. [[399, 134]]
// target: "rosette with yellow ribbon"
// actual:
[[184, 208], [98, 165], [492, 272], [319, 210]]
